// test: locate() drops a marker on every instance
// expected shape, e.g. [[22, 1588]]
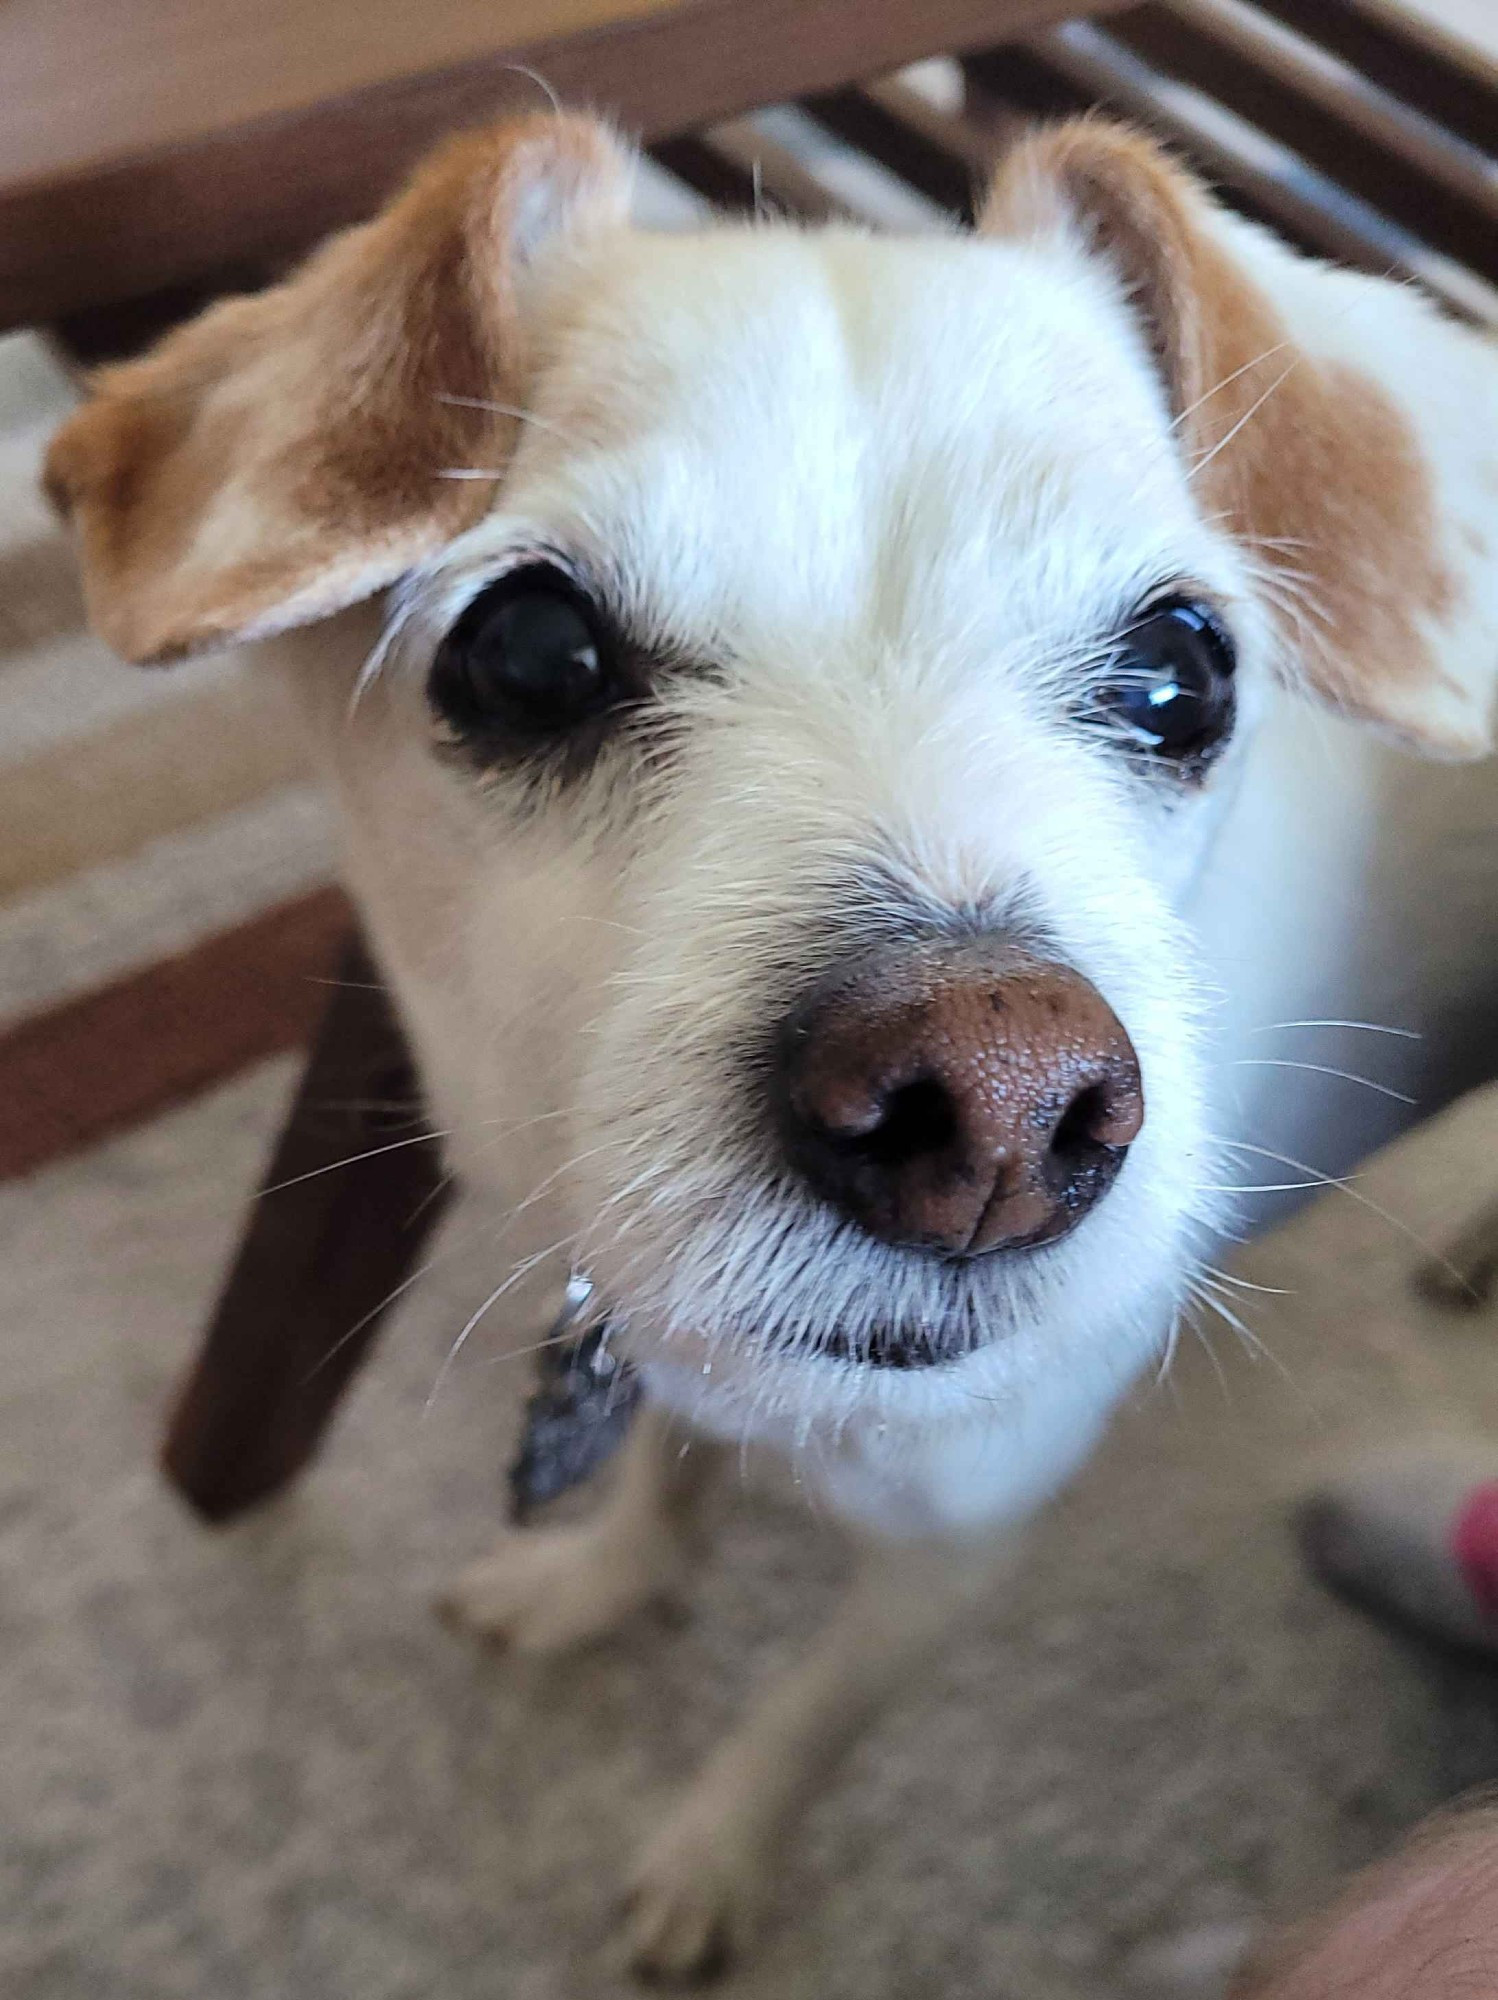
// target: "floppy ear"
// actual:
[[280, 457], [1345, 430]]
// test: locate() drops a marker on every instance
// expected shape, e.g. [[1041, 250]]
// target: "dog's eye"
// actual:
[[528, 656], [1169, 684]]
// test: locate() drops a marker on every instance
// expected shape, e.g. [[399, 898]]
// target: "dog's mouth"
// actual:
[[886, 1346]]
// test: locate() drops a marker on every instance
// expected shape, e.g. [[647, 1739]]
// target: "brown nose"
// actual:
[[959, 1097]]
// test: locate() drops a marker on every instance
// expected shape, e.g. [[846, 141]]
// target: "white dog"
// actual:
[[841, 737]]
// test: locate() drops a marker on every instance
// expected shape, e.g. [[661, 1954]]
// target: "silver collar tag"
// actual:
[[579, 1412]]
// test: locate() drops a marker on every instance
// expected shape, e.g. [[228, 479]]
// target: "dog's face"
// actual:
[[816, 664], [868, 605]]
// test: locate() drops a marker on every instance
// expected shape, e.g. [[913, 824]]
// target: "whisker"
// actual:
[[1211, 1352], [1260, 1187], [332, 1166], [521, 1270], [502, 410], [535, 77], [1227, 381], [1324, 1069], [395, 1292], [1206, 1296], [1366, 1201], [1363, 1027], [1253, 409], [1246, 1284]]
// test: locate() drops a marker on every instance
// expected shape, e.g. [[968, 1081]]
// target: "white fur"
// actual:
[[896, 489]]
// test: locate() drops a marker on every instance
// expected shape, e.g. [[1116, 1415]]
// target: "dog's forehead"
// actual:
[[821, 403], [852, 325]]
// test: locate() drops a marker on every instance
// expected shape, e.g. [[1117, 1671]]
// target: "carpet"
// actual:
[[250, 1765]]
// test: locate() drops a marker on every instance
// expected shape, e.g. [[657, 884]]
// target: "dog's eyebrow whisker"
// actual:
[[1200, 465], [1324, 1069], [404, 612], [506, 410], [534, 76], [1277, 541], [1228, 380]]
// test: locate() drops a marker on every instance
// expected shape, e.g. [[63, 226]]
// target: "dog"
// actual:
[[843, 742]]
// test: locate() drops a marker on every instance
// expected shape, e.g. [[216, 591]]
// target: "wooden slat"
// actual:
[[1017, 82], [111, 79], [1368, 140], [1459, 39], [944, 157], [1010, 86], [114, 1057], [83, 235], [1448, 81], [736, 167], [1288, 191]]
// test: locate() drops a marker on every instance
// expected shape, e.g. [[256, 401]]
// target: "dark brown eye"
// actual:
[[530, 656], [1169, 685]]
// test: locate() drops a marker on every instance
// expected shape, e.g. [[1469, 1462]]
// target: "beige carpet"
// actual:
[[252, 1764]]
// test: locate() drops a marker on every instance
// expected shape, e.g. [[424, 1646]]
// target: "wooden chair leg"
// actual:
[[352, 1193]]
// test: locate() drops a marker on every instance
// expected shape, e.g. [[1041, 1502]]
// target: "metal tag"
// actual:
[[578, 1414]]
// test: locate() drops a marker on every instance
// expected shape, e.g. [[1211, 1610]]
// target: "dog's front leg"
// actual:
[[702, 1881], [545, 1589]]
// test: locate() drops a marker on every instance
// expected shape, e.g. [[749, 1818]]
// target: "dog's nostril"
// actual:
[[914, 1119], [1082, 1124]]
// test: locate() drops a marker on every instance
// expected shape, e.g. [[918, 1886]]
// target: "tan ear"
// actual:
[[281, 457], [1345, 430]]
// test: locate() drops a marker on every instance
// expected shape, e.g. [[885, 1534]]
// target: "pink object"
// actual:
[[1474, 1543]]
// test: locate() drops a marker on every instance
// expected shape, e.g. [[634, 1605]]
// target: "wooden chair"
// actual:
[[168, 149]]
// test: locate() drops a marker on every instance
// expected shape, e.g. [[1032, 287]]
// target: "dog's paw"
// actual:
[[694, 1902], [543, 1590]]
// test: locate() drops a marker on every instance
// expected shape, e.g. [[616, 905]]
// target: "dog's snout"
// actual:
[[958, 1098]]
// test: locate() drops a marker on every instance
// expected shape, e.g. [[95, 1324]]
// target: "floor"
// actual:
[[253, 1764]]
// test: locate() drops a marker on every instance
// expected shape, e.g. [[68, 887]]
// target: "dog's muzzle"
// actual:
[[957, 1097]]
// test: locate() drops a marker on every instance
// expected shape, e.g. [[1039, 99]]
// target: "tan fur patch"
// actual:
[[282, 456], [1312, 464]]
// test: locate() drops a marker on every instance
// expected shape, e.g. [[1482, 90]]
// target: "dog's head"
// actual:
[[813, 665]]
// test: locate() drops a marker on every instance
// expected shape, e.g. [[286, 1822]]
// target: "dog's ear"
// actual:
[[1344, 429], [282, 456]]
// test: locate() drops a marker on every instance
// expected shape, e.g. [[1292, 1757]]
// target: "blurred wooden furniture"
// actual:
[[153, 152]]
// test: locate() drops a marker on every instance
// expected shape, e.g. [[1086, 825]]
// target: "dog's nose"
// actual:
[[962, 1098]]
